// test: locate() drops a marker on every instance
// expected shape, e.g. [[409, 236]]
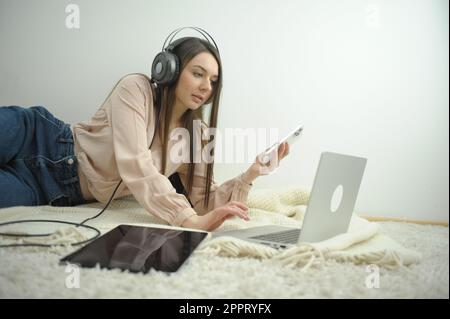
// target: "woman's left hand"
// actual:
[[264, 166]]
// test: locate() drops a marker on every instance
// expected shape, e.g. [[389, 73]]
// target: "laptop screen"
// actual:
[[138, 249]]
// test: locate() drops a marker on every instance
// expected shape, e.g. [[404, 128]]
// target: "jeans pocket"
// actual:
[[57, 179]]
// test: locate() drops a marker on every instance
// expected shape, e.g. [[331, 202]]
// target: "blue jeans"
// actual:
[[37, 161]]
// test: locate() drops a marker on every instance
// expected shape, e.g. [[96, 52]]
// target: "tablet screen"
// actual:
[[138, 249]]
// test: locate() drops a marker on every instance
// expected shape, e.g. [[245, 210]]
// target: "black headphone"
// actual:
[[166, 65]]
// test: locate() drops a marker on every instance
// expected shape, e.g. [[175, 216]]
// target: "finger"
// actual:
[[281, 148], [285, 151], [230, 210], [239, 204], [239, 212], [286, 147], [282, 152]]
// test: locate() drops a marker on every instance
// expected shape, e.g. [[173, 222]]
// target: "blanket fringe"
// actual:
[[303, 256], [63, 236], [234, 247]]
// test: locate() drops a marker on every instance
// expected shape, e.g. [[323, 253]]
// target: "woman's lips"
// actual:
[[197, 99]]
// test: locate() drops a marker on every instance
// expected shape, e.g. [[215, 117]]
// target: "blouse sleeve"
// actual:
[[235, 189], [134, 160]]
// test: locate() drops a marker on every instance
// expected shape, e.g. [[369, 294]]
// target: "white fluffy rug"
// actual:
[[35, 273]]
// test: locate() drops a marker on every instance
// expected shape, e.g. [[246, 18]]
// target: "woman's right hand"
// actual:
[[217, 216]]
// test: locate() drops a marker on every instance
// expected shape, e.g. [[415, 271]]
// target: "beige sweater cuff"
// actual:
[[241, 190]]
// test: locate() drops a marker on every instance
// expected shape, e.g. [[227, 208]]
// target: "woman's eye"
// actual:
[[198, 74]]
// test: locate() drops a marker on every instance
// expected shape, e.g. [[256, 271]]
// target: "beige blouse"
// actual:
[[114, 145]]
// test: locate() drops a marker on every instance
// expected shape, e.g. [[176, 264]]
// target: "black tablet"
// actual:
[[138, 249]]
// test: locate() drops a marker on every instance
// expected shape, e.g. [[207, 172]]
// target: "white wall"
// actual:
[[368, 78]]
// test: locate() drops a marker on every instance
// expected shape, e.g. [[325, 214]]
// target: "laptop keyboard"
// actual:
[[286, 236]]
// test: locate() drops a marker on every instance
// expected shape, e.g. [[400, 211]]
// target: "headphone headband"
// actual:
[[172, 35]]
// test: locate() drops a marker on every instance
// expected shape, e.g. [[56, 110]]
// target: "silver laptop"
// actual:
[[329, 210]]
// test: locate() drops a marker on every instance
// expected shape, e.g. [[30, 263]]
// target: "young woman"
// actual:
[[46, 161]]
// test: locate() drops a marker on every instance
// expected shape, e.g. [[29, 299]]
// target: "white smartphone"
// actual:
[[266, 156], [291, 138]]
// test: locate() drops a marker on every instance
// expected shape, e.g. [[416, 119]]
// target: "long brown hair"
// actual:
[[186, 51]]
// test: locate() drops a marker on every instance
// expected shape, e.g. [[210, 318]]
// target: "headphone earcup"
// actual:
[[165, 68]]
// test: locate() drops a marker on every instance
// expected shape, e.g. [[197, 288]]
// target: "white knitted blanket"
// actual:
[[363, 243]]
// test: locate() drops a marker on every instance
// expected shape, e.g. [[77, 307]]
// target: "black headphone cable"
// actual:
[[54, 221]]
